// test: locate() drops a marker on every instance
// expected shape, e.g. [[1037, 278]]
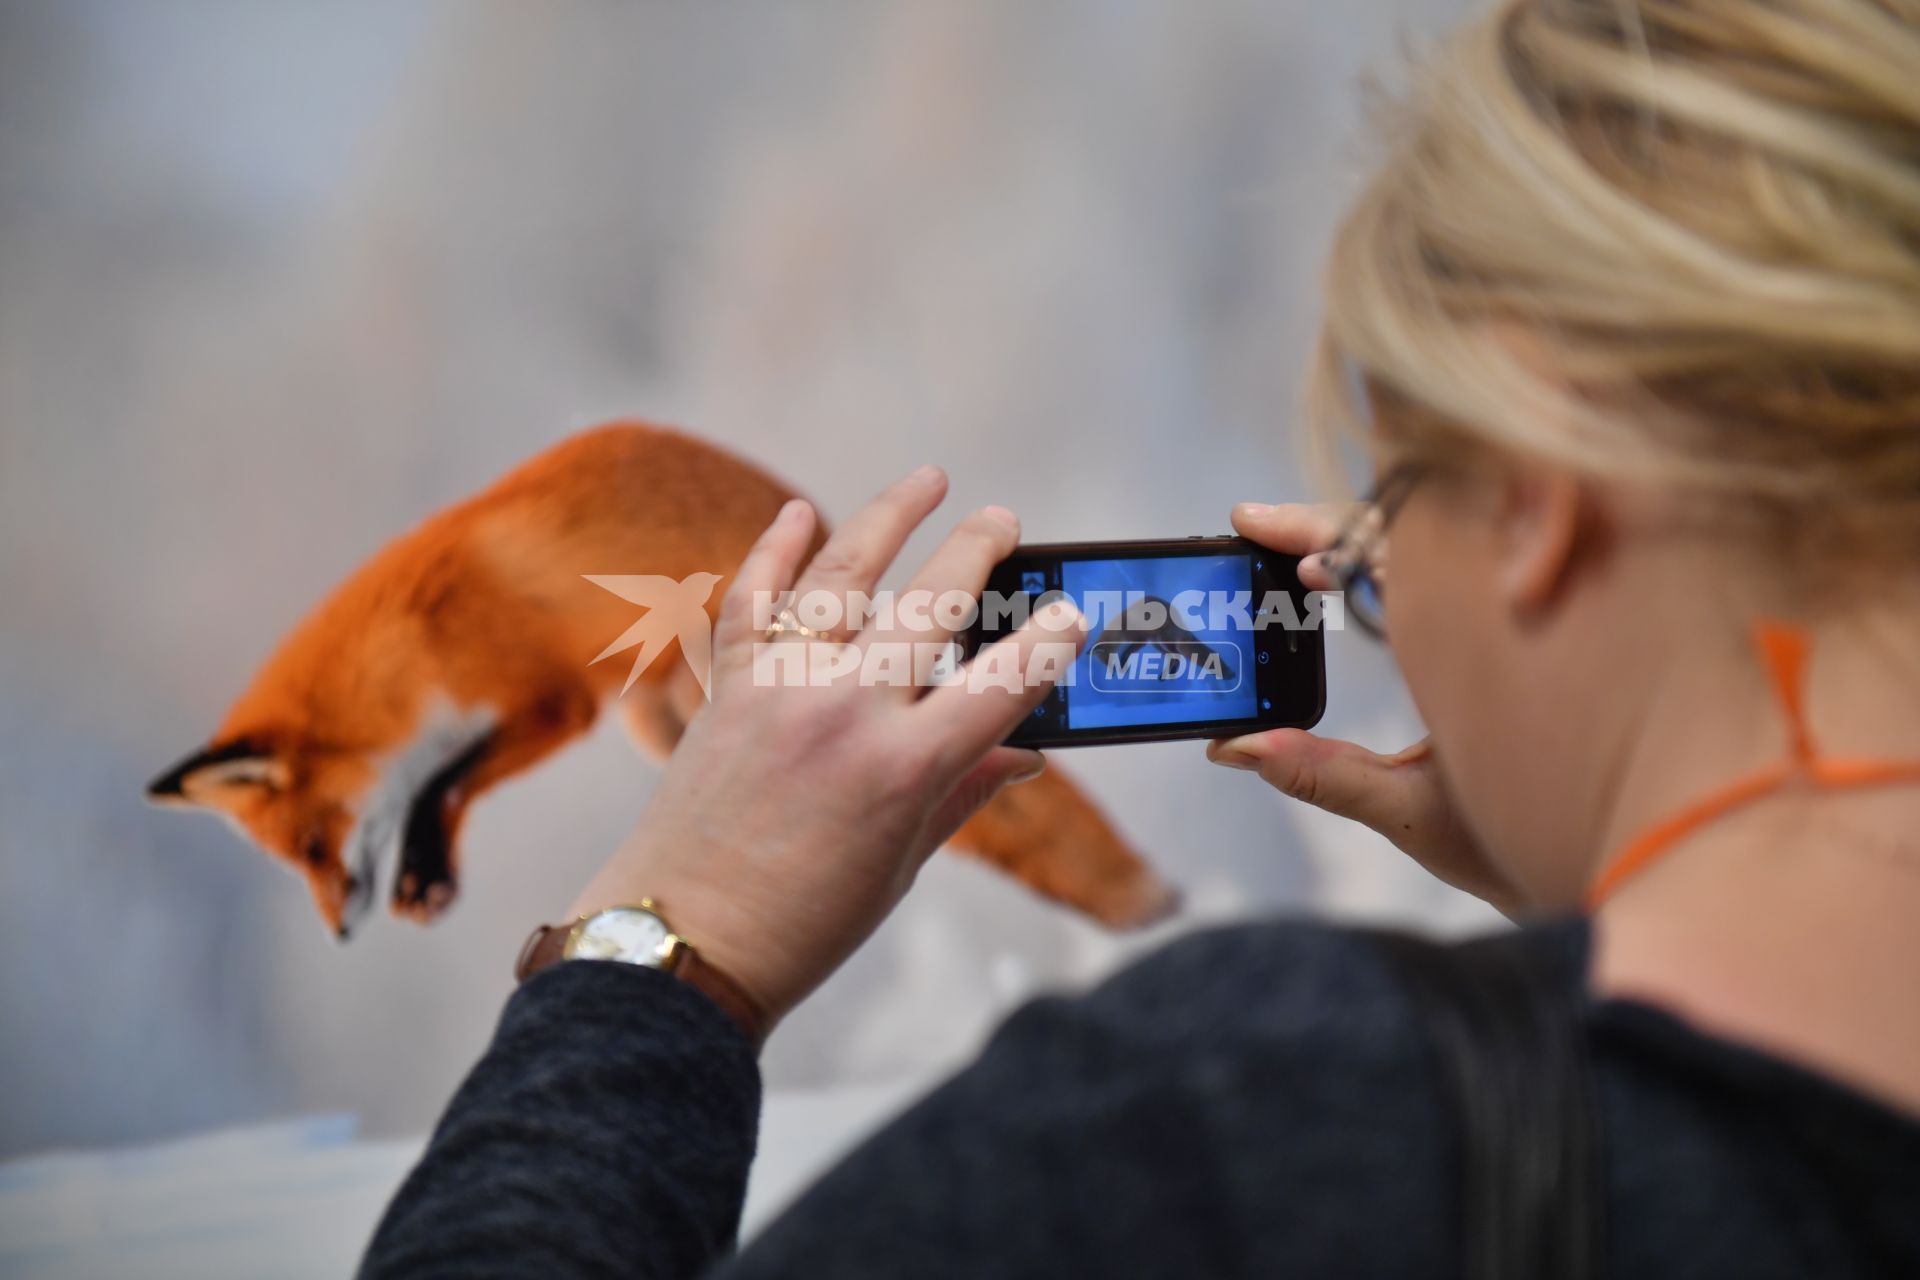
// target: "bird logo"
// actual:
[[674, 610]]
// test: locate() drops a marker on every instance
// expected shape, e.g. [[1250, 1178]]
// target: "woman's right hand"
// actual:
[[795, 813], [1401, 796]]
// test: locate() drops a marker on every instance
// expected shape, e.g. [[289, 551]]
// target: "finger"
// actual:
[[958, 567], [856, 556], [1293, 528], [964, 720], [1343, 778], [1316, 575], [769, 569], [1001, 767], [1296, 529]]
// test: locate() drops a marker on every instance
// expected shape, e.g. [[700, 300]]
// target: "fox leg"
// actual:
[[656, 727], [424, 884], [429, 853], [1049, 836], [657, 713]]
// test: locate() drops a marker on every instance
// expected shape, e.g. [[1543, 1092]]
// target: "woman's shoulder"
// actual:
[[1311, 1007], [1327, 1007], [1289, 984], [1274, 1070]]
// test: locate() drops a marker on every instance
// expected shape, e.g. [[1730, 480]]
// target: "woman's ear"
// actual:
[[1549, 523], [206, 775]]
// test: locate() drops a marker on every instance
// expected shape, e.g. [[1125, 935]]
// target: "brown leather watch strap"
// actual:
[[547, 945], [732, 998]]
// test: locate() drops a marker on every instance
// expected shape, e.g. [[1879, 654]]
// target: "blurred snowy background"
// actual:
[[279, 278]]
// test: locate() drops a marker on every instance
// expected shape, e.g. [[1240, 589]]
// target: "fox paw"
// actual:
[[1133, 903], [420, 899]]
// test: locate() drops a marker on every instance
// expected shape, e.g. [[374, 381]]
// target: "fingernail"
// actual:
[[1001, 514], [1315, 563], [926, 474], [1028, 772], [793, 509], [1252, 508], [1234, 753]]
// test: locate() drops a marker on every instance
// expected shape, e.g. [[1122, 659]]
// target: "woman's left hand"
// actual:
[[792, 818], [1401, 796]]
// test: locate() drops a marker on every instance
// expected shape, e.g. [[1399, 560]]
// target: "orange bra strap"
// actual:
[[1783, 648]]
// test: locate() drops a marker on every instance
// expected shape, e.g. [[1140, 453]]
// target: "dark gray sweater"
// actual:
[[1254, 1101]]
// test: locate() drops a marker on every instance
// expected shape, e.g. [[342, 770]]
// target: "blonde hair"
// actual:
[[1700, 218]]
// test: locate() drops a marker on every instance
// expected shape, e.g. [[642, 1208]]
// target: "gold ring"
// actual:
[[786, 624]]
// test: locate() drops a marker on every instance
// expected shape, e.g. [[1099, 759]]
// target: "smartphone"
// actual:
[[1199, 637]]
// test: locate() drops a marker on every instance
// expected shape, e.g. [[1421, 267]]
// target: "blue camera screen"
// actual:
[[1166, 648]]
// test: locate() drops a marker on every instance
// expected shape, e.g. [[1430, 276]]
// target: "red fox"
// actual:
[[463, 653]]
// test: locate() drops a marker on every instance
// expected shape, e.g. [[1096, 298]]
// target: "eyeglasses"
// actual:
[[1358, 557]]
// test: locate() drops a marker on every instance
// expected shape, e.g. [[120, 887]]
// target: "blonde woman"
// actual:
[[1629, 323]]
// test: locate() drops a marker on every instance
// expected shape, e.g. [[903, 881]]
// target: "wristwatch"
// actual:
[[640, 935]]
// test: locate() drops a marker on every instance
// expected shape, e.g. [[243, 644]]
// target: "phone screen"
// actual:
[[1189, 638]]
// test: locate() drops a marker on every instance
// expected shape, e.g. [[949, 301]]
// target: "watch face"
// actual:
[[629, 934]]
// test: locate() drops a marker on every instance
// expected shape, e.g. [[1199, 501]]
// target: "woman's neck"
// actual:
[[1793, 922]]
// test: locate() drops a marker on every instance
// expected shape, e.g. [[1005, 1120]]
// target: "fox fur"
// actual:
[[461, 654]]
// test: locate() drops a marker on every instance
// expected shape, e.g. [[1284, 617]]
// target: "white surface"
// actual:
[[293, 1199], [297, 1198]]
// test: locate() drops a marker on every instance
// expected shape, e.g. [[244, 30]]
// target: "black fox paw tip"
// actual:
[[420, 900]]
